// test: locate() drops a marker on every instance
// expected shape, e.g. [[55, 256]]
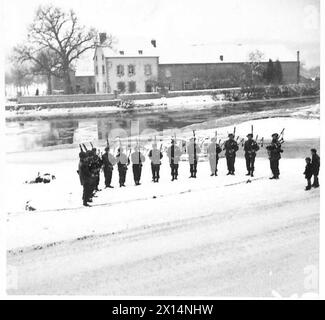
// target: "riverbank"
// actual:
[[73, 110]]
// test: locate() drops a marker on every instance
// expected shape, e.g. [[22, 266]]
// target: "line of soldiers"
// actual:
[[91, 162]]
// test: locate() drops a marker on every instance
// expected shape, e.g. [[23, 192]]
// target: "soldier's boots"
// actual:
[[248, 174]]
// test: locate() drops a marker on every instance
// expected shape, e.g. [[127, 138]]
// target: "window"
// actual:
[[147, 69], [104, 86], [149, 86], [103, 69], [121, 86], [132, 86], [96, 70], [131, 70], [97, 86], [103, 57], [187, 85], [140, 52], [120, 70]]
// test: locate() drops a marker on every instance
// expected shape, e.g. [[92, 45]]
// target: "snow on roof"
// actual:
[[181, 54], [202, 53]]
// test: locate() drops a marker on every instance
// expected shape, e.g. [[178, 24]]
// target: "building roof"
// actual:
[[185, 54], [203, 53], [129, 51]]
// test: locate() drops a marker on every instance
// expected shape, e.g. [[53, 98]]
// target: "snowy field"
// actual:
[[210, 236]]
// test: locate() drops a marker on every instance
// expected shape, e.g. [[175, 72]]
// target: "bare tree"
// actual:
[[21, 77], [57, 38], [256, 67], [44, 62]]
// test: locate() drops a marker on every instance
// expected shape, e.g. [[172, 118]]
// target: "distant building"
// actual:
[[216, 66], [85, 83], [205, 66], [124, 71]]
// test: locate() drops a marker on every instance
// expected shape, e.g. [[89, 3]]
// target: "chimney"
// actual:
[[298, 67], [102, 37], [140, 52], [154, 43], [122, 53], [221, 58]]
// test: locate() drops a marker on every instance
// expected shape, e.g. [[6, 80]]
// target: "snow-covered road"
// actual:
[[246, 252]]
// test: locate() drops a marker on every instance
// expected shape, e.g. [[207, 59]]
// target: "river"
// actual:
[[35, 134]]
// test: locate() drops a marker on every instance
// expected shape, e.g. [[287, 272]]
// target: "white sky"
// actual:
[[293, 23]]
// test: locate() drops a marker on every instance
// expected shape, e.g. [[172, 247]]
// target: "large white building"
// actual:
[[131, 71]]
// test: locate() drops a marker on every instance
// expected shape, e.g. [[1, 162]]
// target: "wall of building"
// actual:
[[58, 83], [100, 71], [85, 84], [200, 76], [139, 77], [65, 98]]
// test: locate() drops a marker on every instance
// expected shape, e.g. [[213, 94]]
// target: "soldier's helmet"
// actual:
[[313, 150], [231, 135], [213, 139], [250, 135], [107, 149], [173, 141], [275, 135]]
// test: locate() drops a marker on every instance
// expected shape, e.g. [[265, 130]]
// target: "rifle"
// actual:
[[85, 147], [91, 145], [252, 129], [81, 150], [234, 131], [281, 134], [130, 150], [242, 142]]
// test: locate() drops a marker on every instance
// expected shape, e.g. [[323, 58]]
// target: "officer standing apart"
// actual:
[[231, 147], [109, 162], [155, 156], [274, 151], [250, 148], [137, 159], [193, 151], [213, 152], [174, 154], [122, 164]]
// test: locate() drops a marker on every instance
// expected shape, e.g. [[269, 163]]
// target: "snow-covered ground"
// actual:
[[216, 236], [220, 235], [55, 211]]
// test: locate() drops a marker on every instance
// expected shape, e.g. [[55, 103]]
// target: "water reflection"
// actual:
[[29, 135]]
